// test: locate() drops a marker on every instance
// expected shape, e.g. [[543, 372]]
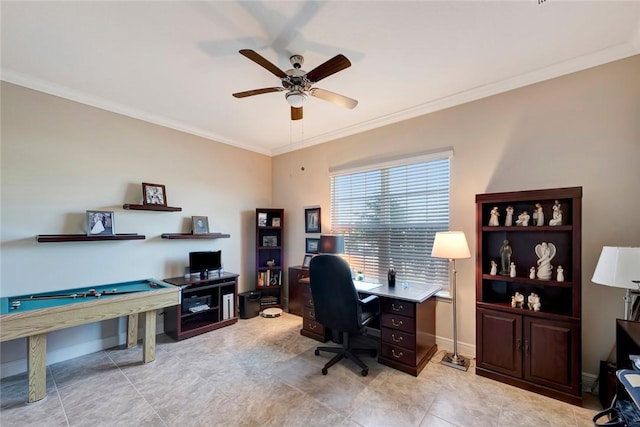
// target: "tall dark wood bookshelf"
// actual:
[[536, 350], [270, 256]]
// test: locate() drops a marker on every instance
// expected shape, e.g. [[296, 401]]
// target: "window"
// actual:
[[389, 215]]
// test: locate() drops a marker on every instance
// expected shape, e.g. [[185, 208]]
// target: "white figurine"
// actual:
[[517, 301], [534, 302], [508, 220], [538, 214], [532, 273], [523, 219], [494, 268], [560, 272], [493, 221], [512, 270], [545, 252], [557, 214]]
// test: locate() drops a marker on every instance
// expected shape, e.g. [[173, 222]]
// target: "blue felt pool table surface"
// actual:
[[26, 303]]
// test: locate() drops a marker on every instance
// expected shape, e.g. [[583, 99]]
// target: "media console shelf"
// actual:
[[54, 238], [132, 207], [206, 304], [195, 236]]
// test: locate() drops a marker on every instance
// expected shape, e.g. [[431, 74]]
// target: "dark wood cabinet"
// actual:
[[296, 289], [539, 350], [270, 256], [205, 305]]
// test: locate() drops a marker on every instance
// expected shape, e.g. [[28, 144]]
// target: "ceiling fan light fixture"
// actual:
[[295, 98]]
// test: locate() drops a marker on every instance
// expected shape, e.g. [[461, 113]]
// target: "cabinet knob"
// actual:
[[526, 346], [312, 326], [398, 308], [519, 345], [394, 323], [397, 356], [394, 339]]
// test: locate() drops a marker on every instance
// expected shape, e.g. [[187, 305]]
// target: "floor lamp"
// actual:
[[452, 245], [620, 268]]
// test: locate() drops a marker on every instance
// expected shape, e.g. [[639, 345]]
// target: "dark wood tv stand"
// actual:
[[181, 323]]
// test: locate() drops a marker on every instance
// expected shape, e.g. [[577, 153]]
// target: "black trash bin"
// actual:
[[249, 304]]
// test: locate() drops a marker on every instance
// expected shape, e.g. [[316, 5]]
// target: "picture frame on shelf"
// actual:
[[275, 221], [154, 194], [306, 261], [311, 245], [269, 241], [100, 223], [262, 219], [200, 225], [312, 220]]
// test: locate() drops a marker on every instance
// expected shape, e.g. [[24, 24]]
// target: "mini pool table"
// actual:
[[32, 316]]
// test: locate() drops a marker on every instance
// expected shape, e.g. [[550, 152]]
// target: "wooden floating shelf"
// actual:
[[150, 208], [52, 238], [194, 236], [529, 228]]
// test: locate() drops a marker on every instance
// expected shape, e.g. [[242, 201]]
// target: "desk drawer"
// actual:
[[309, 313], [395, 306], [397, 322], [398, 354], [398, 338], [308, 299], [312, 326]]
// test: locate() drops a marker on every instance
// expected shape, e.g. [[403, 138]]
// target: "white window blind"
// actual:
[[389, 216]]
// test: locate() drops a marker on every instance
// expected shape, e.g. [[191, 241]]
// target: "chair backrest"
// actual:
[[335, 299]]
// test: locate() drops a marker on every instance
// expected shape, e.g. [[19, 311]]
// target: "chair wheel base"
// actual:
[[325, 371], [317, 353], [364, 372]]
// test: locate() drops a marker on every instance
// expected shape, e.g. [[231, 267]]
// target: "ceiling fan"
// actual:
[[298, 83]]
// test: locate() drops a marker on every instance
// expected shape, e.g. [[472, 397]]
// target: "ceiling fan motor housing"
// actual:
[[296, 61]]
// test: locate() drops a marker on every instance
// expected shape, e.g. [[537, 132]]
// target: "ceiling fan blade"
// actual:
[[260, 60], [258, 92], [296, 113], [332, 66], [334, 97]]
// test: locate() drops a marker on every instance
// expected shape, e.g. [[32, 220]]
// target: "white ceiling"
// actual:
[[177, 63]]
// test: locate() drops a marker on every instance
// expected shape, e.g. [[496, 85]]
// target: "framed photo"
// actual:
[[262, 219], [200, 225], [312, 220], [100, 223], [269, 241], [311, 245], [154, 194], [275, 222], [306, 261]]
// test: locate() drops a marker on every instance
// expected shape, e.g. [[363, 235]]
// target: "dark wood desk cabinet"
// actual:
[[296, 289], [407, 331], [627, 342]]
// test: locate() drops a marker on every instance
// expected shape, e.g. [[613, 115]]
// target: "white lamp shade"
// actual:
[[618, 267], [451, 245]]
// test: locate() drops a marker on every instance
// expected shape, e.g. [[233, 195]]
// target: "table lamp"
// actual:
[[452, 245], [619, 267], [331, 244]]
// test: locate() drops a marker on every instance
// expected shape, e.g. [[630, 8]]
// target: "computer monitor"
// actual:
[[203, 261]]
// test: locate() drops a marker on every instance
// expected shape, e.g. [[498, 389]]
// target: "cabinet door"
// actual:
[[500, 343], [560, 367]]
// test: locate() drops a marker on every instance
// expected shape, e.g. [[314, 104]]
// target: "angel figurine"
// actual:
[[508, 219], [493, 221], [545, 252], [557, 215]]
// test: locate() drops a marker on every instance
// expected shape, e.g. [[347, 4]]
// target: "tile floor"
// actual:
[[262, 372]]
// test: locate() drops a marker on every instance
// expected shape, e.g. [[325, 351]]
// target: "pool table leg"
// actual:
[[149, 351], [37, 367], [132, 330]]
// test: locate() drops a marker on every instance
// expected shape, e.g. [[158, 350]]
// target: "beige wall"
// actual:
[[578, 130], [61, 158]]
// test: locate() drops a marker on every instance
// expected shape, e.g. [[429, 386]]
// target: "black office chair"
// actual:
[[337, 306]]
